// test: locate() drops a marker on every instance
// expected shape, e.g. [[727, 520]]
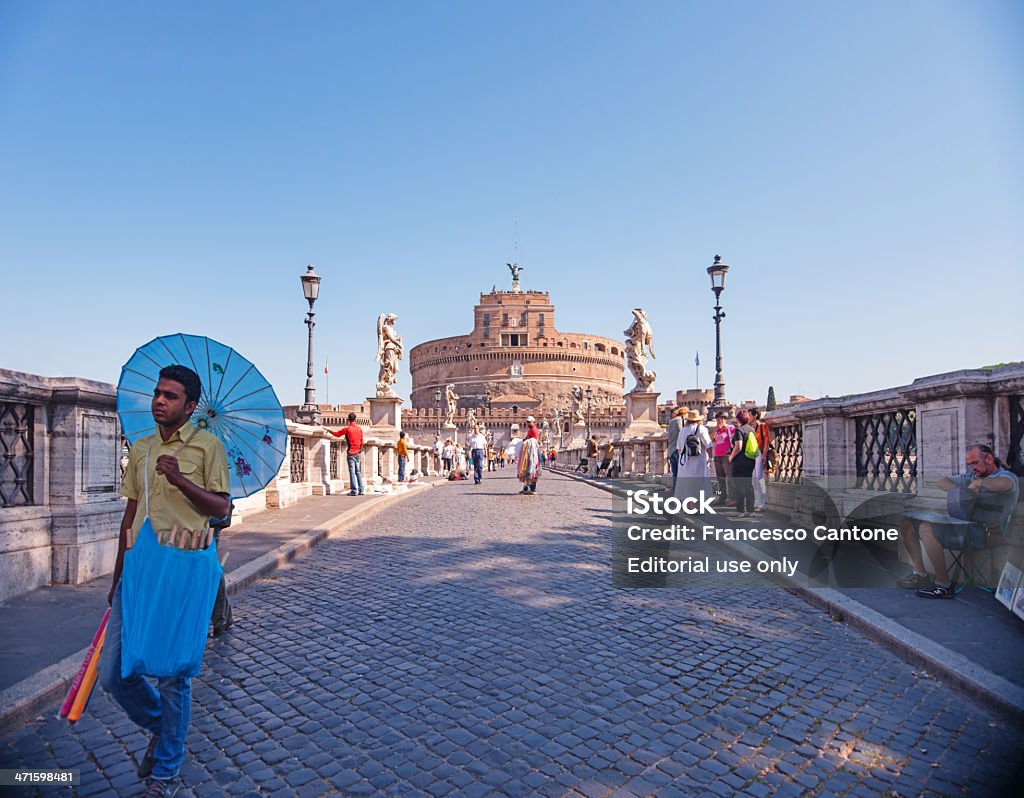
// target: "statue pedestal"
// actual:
[[579, 436], [385, 415], [641, 413]]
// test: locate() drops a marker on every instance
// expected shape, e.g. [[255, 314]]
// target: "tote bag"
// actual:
[[167, 596]]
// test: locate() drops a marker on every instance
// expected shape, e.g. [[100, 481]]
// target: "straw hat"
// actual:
[[694, 415]]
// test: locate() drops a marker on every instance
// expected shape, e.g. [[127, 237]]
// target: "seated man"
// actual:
[[583, 466], [980, 503]]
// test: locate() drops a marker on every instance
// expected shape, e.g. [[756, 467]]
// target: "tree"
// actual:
[[771, 404]]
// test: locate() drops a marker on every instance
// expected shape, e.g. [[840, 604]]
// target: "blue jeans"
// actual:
[[165, 711], [402, 460], [478, 464], [673, 460], [355, 473]]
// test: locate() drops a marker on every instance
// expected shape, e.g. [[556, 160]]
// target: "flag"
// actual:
[[696, 360], [325, 365]]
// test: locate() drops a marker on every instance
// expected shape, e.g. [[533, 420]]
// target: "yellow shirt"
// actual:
[[403, 449], [202, 461]]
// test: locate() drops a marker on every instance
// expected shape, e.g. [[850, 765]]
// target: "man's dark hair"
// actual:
[[188, 378], [351, 417], [755, 412], [719, 415], [401, 434]]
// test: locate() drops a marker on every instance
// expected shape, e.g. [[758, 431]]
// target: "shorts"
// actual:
[[953, 535]]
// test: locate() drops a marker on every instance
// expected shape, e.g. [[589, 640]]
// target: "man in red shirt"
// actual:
[[354, 435]]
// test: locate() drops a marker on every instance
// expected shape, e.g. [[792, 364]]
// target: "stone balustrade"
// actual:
[[60, 477], [871, 457]]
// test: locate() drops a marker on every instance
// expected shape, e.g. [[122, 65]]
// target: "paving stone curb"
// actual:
[[988, 689], [26, 699]]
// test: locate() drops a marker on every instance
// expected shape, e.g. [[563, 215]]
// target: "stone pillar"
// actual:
[[369, 464], [84, 480], [658, 456], [627, 459], [385, 416], [642, 413]]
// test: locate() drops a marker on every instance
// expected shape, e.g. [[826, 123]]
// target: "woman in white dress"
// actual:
[[694, 447]]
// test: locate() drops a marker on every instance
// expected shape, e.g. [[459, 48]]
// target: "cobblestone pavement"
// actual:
[[469, 642]]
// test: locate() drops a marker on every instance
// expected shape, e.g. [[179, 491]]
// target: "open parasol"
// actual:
[[237, 405]]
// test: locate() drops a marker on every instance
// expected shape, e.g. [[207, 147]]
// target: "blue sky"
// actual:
[[175, 167]]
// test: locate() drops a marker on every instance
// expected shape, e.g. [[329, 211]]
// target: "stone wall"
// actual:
[[60, 517], [60, 474]]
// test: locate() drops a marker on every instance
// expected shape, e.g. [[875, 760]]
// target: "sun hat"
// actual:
[[693, 415]]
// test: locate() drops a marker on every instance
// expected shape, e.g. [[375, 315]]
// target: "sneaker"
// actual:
[[352, 493], [938, 592], [525, 490], [162, 788], [146, 763], [915, 580]]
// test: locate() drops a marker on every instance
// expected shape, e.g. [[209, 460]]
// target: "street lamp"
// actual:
[[309, 413], [716, 272], [437, 407], [589, 393]]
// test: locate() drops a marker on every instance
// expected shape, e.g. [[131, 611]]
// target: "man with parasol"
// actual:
[[181, 474]]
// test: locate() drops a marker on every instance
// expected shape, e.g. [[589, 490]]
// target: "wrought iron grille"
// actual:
[[16, 454], [788, 442], [1015, 454], [297, 448], [887, 451], [335, 460]]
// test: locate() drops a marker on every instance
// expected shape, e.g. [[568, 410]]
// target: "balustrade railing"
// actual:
[[787, 441], [297, 449], [17, 455], [886, 449]]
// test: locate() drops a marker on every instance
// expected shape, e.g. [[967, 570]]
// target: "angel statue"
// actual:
[[639, 339], [515, 268], [389, 352], [471, 418], [577, 405], [450, 398]]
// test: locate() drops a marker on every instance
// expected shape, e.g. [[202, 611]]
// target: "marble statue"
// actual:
[[640, 338], [577, 405], [389, 351], [450, 398]]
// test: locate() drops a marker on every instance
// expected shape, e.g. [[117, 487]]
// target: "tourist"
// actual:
[[722, 446], [529, 458], [403, 455], [763, 437], [693, 446], [448, 454], [438, 450], [742, 466], [154, 476], [674, 425], [592, 450], [477, 445], [354, 435], [609, 455], [491, 457], [980, 502]]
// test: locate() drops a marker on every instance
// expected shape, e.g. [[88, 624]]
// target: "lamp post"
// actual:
[[437, 407], [309, 413], [716, 272], [589, 393]]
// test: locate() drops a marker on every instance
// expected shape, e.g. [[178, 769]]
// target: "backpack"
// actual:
[[750, 448], [692, 445]]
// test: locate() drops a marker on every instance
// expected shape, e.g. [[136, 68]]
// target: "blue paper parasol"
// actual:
[[237, 405]]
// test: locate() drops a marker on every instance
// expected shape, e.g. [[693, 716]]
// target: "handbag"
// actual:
[[167, 597]]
